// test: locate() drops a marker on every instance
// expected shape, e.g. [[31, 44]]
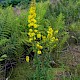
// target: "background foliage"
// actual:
[[64, 15]]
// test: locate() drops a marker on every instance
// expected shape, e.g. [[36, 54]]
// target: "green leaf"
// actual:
[[4, 56], [3, 41], [1, 59]]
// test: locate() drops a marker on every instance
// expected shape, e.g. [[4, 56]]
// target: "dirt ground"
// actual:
[[71, 56], [71, 60]]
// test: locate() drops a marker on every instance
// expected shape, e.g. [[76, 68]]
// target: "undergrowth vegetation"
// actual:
[[32, 40]]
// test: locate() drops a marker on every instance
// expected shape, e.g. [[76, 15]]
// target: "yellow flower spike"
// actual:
[[27, 58], [38, 35], [32, 11], [39, 52], [33, 8]]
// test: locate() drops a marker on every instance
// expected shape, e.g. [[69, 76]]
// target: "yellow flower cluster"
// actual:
[[33, 33], [51, 34], [31, 18], [35, 36], [32, 23], [39, 47], [27, 58]]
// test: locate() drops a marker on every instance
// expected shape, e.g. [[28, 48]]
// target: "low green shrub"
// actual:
[[69, 8], [12, 28], [74, 30], [21, 3]]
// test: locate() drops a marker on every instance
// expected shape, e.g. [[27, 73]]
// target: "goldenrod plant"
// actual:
[[35, 36], [41, 43], [39, 39]]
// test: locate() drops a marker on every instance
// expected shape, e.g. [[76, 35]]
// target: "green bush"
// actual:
[[57, 22], [74, 30], [21, 3], [6, 3], [12, 31], [69, 8]]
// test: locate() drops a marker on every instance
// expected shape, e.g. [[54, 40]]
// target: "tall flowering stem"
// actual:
[[34, 33], [40, 43]]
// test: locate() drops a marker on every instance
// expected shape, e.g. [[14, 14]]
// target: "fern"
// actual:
[[62, 42], [3, 41], [74, 30], [11, 29], [41, 10], [59, 22]]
